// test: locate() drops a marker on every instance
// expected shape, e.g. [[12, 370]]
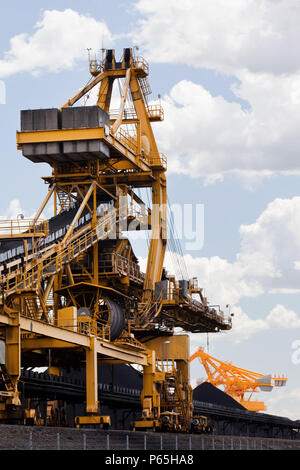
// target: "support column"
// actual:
[[95, 247], [92, 405], [150, 397], [13, 358]]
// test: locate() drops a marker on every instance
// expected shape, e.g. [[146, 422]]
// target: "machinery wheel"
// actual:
[[112, 315]]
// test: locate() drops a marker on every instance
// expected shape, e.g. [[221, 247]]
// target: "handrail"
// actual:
[[23, 228], [156, 111], [140, 63], [54, 259], [129, 113], [110, 263], [160, 160], [127, 140], [96, 66]]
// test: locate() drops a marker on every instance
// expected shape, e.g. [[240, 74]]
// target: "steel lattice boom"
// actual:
[[236, 381]]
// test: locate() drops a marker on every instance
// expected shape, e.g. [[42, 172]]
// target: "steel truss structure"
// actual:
[[72, 284], [238, 382]]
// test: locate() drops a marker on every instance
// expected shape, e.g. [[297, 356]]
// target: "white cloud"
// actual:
[[223, 282], [284, 402], [208, 136], [2, 92], [263, 264], [226, 35], [61, 38], [253, 40], [243, 326], [14, 209], [281, 317], [284, 291], [270, 246]]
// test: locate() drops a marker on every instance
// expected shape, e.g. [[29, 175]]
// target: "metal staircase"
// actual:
[[145, 87], [65, 201], [57, 256]]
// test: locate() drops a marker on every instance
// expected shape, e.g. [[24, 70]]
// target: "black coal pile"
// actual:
[[207, 393], [118, 374], [121, 374]]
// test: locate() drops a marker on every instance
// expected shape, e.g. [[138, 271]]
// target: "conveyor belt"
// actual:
[[10, 250]]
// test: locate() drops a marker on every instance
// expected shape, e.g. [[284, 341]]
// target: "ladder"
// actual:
[[65, 201], [183, 404], [145, 87], [31, 306]]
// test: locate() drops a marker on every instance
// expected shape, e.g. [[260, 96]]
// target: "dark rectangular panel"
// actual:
[[40, 119], [84, 117]]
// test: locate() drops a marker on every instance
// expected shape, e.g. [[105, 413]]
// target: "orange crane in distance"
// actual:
[[236, 381]]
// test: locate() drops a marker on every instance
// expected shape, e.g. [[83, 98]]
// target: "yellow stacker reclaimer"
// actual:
[[72, 284]]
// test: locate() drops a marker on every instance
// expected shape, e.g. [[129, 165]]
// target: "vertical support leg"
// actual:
[[183, 368], [92, 405], [13, 358], [150, 396], [10, 404], [95, 247], [158, 242]]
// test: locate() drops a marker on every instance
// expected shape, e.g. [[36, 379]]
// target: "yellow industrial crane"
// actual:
[[72, 284], [236, 381]]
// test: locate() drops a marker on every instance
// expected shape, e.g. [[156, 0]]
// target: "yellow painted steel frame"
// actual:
[[13, 358], [162, 351], [138, 163], [236, 381], [104, 422], [159, 188]]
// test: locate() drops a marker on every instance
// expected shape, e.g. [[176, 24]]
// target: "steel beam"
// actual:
[[127, 355], [59, 135], [53, 332], [44, 343], [50, 331]]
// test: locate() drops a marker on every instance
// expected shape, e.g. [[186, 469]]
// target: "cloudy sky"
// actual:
[[229, 78]]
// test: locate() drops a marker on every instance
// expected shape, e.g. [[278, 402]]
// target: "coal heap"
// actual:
[[207, 393], [120, 374], [117, 374]]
